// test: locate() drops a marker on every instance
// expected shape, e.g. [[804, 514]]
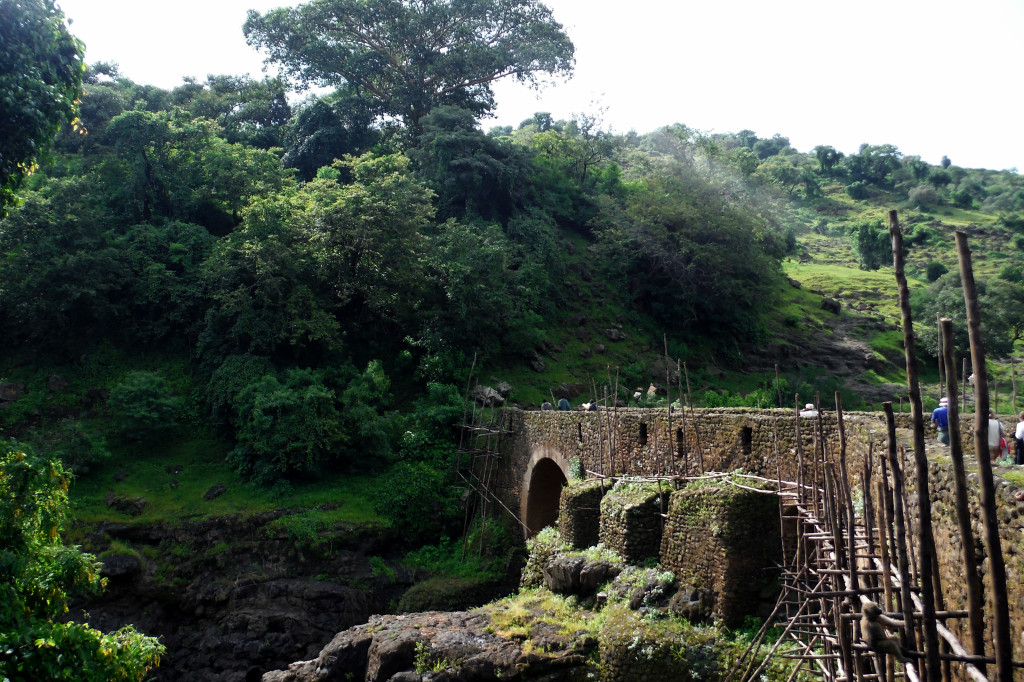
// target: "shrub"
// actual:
[[923, 195], [934, 270], [142, 406], [418, 499], [77, 446], [857, 190], [286, 427]]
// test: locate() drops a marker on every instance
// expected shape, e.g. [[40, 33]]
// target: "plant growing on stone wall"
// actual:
[[576, 472]]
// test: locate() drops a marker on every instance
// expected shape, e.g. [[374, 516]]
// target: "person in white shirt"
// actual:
[[995, 434], [1018, 440], [808, 411]]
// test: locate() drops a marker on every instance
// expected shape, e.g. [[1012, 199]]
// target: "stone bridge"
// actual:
[[543, 447]]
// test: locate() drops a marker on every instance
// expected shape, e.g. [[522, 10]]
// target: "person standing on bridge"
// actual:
[[940, 415]]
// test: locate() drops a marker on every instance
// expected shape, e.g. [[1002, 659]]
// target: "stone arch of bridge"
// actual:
[[546, 475]]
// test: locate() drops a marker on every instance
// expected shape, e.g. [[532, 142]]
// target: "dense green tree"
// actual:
[[475, 301], [143, 405], [873, 164], [309, 421], [770, 147], [327, 129], [827, 156], [474, 175], [687, 257], [250, 112], [62, 280], [172, 165], [41, 71], [1002, 320], [309, 257], [411, 56], [287, 427], [39, 575], [872, 243]]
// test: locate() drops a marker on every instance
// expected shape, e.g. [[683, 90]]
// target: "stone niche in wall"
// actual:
[[724, 539]]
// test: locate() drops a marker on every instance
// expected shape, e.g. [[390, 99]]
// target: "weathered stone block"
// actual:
[[579, 515], [723, 539], [631, 519]]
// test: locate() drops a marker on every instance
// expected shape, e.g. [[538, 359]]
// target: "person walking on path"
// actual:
[[995, 434], [940, 415]]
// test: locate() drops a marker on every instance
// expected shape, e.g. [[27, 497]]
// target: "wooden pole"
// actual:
[[975, 599], [938, 331], [997, 569], [965, 386], [1013, 382], [848, 497], [926, 539], [800, 495], [900, 533]]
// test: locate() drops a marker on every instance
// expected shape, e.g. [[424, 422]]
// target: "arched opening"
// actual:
[[545, 489]]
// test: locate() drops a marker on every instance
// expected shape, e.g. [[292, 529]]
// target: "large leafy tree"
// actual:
[[409, 56], [38, 576], [1001, 321], [41, 71]]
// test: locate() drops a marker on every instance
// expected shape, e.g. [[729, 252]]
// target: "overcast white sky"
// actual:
[[933, 77]]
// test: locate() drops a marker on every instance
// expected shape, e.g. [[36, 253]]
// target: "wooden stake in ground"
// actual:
[[927, 539], [938, 331], [1013, 382], [997, 569], [975, 599], [900, 532]]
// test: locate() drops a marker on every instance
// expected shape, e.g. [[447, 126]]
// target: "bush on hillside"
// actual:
[[143, 406], [419, 499], [934, 270]]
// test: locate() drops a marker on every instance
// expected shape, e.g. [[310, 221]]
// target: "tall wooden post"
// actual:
[[899, 531], [1013, 383], [997, 569], [927, 540], [938, 331], [975, 598]]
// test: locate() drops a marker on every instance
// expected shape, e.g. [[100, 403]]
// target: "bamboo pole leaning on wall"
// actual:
[[926, 539], [975, 598], [997, 569]]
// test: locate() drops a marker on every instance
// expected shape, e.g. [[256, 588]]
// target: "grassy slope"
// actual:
[[150, 471]]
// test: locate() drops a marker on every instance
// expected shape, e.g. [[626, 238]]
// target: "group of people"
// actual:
[[997, 443], [564, 406]]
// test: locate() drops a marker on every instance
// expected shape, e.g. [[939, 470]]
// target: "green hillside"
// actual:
[[277, 290]]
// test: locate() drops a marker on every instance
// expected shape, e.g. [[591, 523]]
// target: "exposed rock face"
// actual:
[[231, 594], [440, 647]]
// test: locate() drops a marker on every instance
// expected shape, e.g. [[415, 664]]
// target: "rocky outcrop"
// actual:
[[440, 647], [235, 594]]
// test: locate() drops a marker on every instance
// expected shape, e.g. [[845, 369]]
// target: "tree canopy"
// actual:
[[41, 71], [409, 56], [38, 576]]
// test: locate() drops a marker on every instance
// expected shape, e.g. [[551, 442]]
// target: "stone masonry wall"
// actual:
[[640, 442], [722, 539]]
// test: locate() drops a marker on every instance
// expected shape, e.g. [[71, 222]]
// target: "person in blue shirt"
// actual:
[[941, 418]]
